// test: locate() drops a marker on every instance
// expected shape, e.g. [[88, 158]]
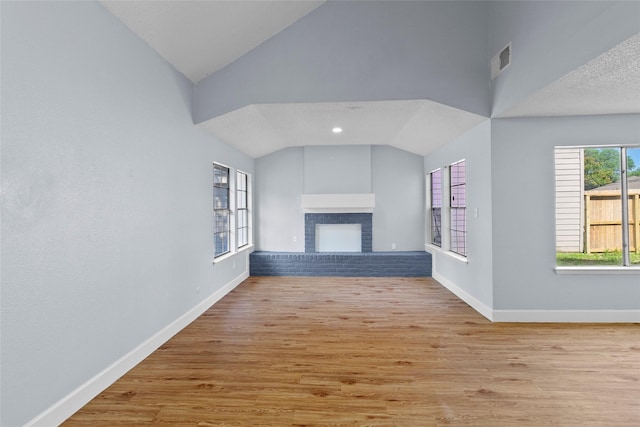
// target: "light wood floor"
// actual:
[[286, 351]]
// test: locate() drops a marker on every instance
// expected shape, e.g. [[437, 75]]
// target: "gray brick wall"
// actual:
[[360, 264], [311, 219]]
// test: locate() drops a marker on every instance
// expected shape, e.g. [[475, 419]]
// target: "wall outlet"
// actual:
[[295, 239], [394, 247]]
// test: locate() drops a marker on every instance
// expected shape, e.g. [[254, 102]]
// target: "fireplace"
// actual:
[[351, 217], [339, 233], [338, 237]]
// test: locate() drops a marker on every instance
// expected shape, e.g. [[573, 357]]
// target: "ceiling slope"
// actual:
[[201, 37], [608, 84]]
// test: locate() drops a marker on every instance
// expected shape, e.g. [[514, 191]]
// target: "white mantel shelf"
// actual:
[[339, 203]]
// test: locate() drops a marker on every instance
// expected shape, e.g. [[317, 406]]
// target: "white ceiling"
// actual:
[[201, 37], [418, 126]]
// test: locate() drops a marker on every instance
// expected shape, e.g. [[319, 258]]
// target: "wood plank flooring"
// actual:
[[299, 351]]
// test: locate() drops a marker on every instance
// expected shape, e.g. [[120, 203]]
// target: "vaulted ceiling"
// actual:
[[608, 84], [200, 38]]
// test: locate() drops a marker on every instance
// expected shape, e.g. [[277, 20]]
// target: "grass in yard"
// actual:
[[604, 258]]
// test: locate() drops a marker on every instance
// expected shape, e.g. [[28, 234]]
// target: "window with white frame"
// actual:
[[458, 208], [242, 208], [221, 210], [436, 206], [597, 205]]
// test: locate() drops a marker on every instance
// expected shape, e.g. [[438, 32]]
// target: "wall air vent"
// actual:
[[500, 61]]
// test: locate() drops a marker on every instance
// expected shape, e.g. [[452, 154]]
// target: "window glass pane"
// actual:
[[222, 243], [633, 183], [458, 196], [458, 173], [242, 205], [589, 205], [458, 205], [436, 189], [458, 221], [458, 242], [242, 200], [221, 221], [242, 219], [436, 207], [603, 206], [458, 230], [220, 176], [436, 226], [221, 211], [242, 237], [220, 198], [242, 181]]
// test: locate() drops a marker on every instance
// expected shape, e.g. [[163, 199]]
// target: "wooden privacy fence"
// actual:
[[603, 221]]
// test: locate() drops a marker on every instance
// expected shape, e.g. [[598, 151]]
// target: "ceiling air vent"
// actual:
[[501, 61]]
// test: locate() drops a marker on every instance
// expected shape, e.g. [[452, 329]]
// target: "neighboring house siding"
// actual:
[[569, 194]]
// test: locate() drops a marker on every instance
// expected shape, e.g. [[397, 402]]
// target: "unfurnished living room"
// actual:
[[320, 213]]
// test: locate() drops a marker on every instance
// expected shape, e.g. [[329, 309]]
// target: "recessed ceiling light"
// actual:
[[336, 130]]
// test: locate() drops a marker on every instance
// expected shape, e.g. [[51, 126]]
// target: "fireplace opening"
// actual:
[[337, 232], [338, 238]]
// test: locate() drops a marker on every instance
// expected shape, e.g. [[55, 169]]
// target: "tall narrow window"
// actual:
[[458, 203], [436, 207], [221, 209], [242, 208]]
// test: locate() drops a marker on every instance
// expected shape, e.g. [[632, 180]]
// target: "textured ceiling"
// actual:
[[201, 37], [609, 84], [418, 126]]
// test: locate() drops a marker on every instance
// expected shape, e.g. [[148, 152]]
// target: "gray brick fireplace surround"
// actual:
[[346, 264], [312, 219]]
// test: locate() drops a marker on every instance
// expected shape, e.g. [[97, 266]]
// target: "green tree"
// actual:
[[602, 167], [634, 170]]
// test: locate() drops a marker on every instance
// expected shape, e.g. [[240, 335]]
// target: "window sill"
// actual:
[[600, 269], [433, 248], [228, 255]]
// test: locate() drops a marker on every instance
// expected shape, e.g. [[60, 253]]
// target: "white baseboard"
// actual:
[[475, 303], [566, 316], [540, 316], [75, 400]]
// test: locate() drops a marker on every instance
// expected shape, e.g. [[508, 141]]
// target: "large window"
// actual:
[[242, 208], [221, 212], [457, 198], [436, 207], [597, 206]]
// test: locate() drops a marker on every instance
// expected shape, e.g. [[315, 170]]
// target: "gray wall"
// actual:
[[395, 176], [106, 200], [551, 38], [476, 276], [523, 192], [363, 51], [398, 183], [279, 220], [339, 169]]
